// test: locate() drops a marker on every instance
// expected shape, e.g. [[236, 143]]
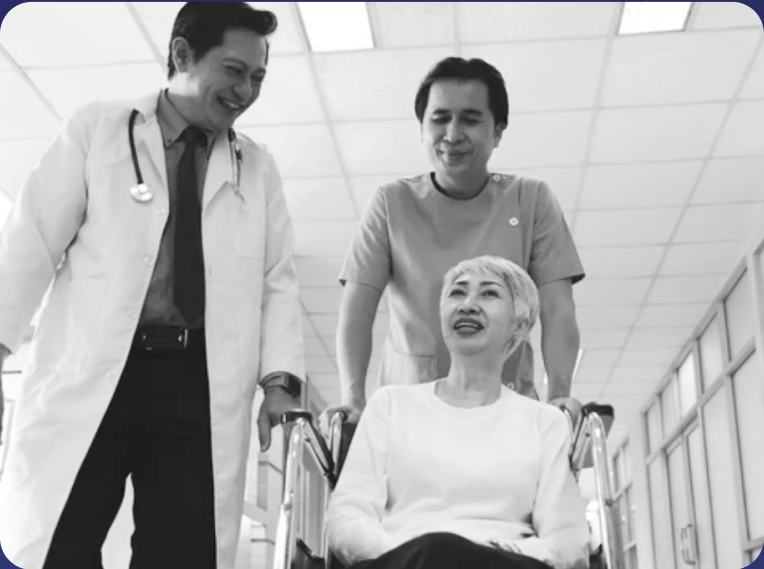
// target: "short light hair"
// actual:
[[523, 292]]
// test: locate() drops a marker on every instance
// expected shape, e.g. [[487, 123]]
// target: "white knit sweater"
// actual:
[[499, 472]]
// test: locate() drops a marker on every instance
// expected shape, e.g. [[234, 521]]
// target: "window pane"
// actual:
[[623, 515], [617, 472], [631, 512], [688, 393], [721, 474], [654, 433], [631, 558], [661, 526], [626, 463], [740, 315], [680, 514], [669, 406], [749, 404], [710, 353], [702, 507]]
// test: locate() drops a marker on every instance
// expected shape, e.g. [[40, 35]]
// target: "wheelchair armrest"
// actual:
[[580, 452], [315, 440]]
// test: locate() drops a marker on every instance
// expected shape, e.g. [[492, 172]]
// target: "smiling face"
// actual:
[[477, 314], [213, 91], [459, 132]]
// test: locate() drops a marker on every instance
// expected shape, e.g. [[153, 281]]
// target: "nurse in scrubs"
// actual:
[[414, 229]]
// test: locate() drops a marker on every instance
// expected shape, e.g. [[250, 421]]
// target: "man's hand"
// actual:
[[352, 415], [569, 404], [277, 402]]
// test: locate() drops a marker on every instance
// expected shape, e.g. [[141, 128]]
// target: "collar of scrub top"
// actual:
[[142, 193]]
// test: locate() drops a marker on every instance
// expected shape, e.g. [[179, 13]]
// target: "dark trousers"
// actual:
[[448, 551], [156, 430]]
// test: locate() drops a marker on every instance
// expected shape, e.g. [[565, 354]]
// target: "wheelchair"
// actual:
[[588, 450]]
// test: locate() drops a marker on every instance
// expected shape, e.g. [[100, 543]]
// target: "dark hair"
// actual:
[[465, 70], [202, 25]]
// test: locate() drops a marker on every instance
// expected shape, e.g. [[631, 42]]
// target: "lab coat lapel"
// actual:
[[148, 141]]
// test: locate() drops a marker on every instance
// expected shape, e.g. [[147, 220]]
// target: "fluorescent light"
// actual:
[[646, 17], [336, 26]]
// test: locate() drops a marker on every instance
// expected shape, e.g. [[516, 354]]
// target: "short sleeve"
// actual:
[[369, 259], [553, 253]]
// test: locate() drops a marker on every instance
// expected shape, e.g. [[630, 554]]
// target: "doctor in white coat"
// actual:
[[170, 303]]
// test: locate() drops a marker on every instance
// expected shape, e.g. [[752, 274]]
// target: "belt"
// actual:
[[169, 339]]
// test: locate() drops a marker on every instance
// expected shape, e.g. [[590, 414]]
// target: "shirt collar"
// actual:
[[172, 123]]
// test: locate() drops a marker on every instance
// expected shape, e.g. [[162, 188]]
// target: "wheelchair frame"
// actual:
[[588, 449]]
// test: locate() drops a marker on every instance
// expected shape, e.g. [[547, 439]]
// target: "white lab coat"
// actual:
[[76, 224]]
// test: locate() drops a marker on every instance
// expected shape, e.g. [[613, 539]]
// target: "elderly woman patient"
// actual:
[[463, 472]]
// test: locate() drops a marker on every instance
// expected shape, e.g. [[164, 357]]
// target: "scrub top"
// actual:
[[411, 234]]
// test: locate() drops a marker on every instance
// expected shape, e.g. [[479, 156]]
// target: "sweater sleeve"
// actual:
[[354, 519], [562, 535]]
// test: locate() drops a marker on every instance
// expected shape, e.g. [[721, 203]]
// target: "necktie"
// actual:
[[189, 259]]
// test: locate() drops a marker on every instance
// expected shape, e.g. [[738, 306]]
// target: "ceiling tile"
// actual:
[[314, 346], [319, 199], [597, 317], [315, 272], [625, 227], [320, 364], [655, 69], [564, 183], [543, 139], [326, 324], [728, 222], [22, 113], [604, 338], [323, 239], [725, 15], [373, 84], [69, 89], [685, 290], [599, 358], [742, 132], [300, 151], [619, 262], [383, 147], [288, 95], [414, 24], [702, 258], [624, 186], [648, 357], [671, 315], [505, 21], [730, 180], [47, 34], [659, 337], [543, 76], [321, 300], [286, 38], [5, 64], [754, 85], [17, 159], [637, 374], [605, 292], [634, 389], [656, 133]]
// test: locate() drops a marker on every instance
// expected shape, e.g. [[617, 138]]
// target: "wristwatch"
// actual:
[[285, 380]]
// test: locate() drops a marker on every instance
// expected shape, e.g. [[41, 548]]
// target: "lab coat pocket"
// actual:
[[67, 324], [248, 316]]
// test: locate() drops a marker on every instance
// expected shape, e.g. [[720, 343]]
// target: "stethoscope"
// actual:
[[140, 191]]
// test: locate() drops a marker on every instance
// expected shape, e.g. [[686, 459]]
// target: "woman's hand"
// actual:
[[352, 415]]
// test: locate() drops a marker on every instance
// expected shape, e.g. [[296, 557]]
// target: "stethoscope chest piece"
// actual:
[[141, 193]]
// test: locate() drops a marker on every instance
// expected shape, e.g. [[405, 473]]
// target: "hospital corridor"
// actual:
[[635, 129]]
